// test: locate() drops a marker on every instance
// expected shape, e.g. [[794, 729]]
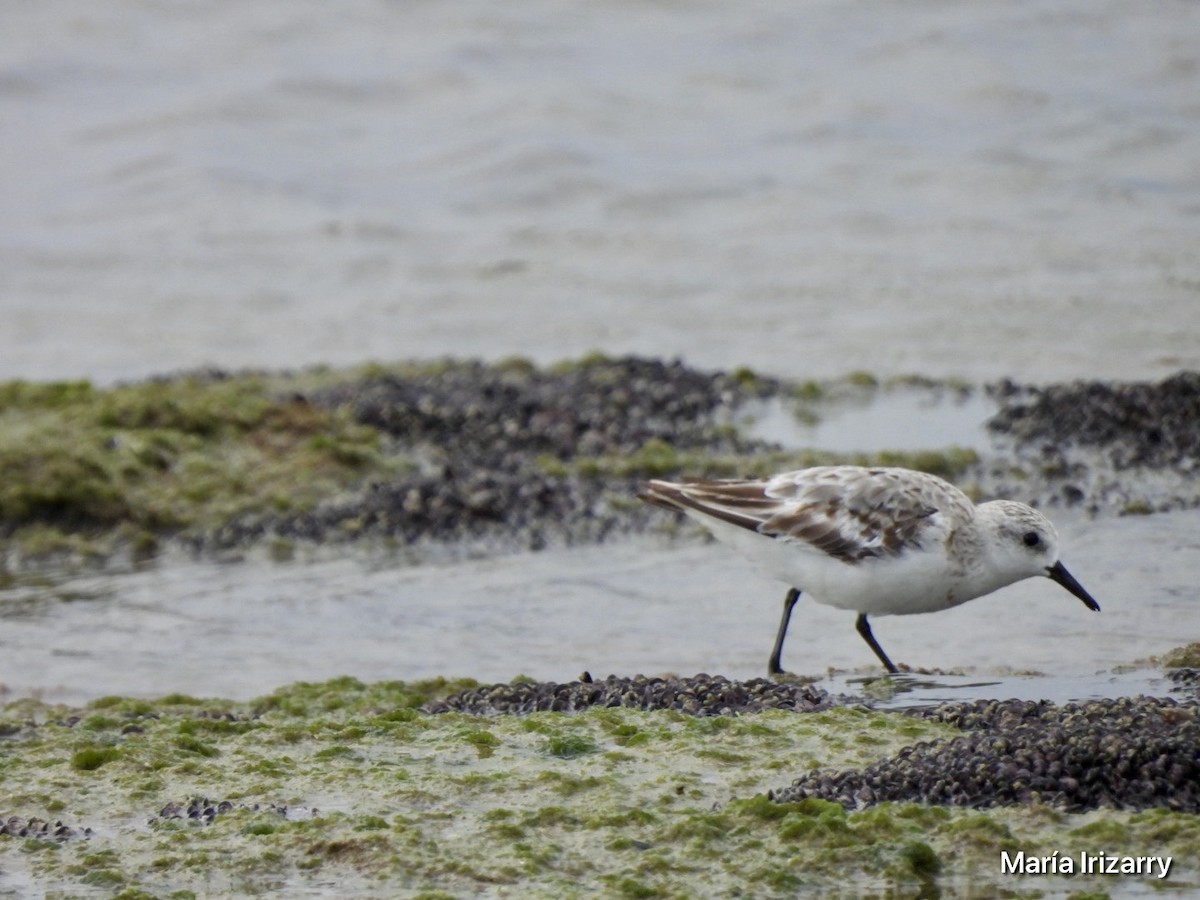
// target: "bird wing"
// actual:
[[848, 513]]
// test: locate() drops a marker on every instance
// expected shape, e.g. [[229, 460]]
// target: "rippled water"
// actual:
[[982, 191], [896, 419]]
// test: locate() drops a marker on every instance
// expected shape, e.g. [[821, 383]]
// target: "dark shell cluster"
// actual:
[[1126, 753], [1123, 753], [1185, 680], [1136, 423], [40, 829], [201, 810], [197, 810], [700, 695], [496, 443], [1125, 447], [499, 416]]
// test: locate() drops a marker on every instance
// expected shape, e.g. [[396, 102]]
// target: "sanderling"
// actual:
[[880, 541]]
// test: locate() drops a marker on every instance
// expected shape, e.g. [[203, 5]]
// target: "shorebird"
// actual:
[[879, 541]]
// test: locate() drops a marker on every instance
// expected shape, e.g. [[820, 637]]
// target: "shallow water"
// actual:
[[980, 191], [904, 419], [239, 630]]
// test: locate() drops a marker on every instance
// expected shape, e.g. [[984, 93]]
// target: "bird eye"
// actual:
[[1032, 539]]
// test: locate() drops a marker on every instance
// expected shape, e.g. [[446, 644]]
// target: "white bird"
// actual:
[[879, 541]]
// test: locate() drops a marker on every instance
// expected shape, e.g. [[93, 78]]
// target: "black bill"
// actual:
[[1059, 573]]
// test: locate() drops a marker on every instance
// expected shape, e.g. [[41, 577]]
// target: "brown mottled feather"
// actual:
[[872, 517]]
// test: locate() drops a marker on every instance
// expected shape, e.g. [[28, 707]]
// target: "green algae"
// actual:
[[87, 469], [91, 758], [1187, 657], [1138, 507], [348, 784], [568, 746]]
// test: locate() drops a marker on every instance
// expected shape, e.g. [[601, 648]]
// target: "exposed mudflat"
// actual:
[[1124, 753], [514, 457], [521, 457], [462, 457], [518, 457]]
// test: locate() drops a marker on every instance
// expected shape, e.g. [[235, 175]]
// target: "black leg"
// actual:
[[774, 666], [864, 629]]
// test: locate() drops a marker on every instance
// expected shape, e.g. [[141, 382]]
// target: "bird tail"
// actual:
[[663, 494]]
